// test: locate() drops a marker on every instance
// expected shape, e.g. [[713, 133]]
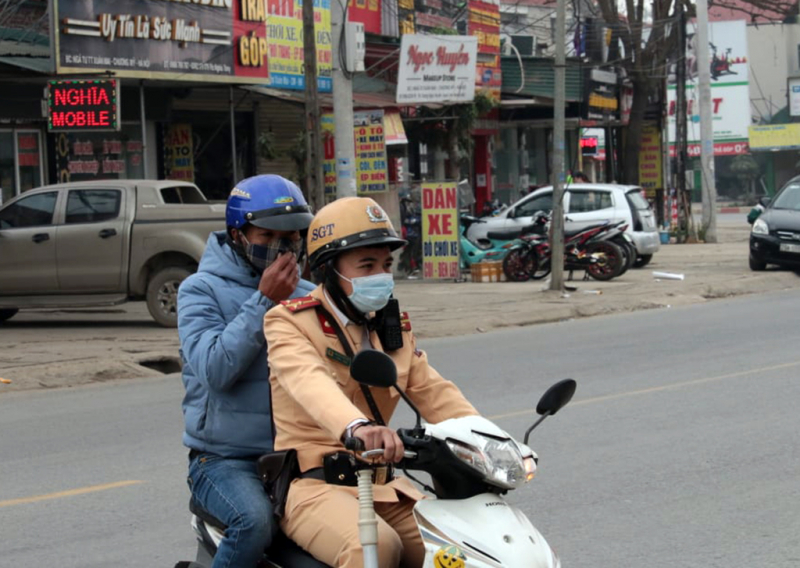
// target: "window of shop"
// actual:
[[20, 162]]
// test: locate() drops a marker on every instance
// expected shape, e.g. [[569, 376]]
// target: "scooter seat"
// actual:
[[283, 551]]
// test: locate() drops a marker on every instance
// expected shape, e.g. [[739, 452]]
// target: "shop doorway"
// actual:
[[196, 146]]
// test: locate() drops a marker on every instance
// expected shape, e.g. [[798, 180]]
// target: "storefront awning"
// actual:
[[42, 65]]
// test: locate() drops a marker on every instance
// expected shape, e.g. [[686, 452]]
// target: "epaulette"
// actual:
[[295, 305], [405, 323]]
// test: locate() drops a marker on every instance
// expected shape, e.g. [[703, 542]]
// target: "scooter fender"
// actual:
[[485, 530]]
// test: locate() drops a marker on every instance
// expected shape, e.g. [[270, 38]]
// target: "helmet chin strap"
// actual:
[[334, 289]]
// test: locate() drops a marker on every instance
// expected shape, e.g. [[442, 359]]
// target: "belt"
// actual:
[[381, 475]]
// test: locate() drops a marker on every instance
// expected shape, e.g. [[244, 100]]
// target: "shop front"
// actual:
[[21, 160]]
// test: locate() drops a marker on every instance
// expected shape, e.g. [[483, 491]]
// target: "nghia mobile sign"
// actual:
[[437, 69]]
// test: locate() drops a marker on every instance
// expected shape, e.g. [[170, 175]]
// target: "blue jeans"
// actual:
[[231, 490]]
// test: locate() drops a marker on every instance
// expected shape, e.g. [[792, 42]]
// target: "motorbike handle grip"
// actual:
[[369, 454], [354, 444]]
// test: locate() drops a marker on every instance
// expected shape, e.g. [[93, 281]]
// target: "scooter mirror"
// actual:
[[556, 397], [374, 369]]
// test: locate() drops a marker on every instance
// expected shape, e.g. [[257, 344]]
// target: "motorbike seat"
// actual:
[[568, 234], [515, 233], [284, 551]]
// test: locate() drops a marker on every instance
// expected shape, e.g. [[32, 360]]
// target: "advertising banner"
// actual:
[[230, 41], [484, 23], [440, 230], [437, 69], [730, 94], [370, 145], [775, 137], [368, 12], [371, 174], [179, 152], [285, 44], [650, 173], [82, 106]]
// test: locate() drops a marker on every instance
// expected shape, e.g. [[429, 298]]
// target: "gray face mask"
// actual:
[[262, 256]]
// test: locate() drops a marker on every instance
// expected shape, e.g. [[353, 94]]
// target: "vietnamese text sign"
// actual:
[[371, 174], [82, 106], [440, 230], [239, 41], [484, 23], [730, 91], [285, 44], [328, 127], [775, 137], [179, 152], [650, 160], [434, 69]]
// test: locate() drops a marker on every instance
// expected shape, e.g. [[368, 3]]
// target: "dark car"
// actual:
[[775, 237]]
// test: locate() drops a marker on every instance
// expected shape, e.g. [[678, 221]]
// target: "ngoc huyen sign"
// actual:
[[437, 69]]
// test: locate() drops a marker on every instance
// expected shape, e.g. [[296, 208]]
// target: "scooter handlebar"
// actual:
[[369, 454]]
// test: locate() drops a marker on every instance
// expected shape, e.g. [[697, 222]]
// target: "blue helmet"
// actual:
[[270, 202]]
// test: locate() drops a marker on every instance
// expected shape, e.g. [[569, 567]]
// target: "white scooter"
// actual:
[[472, 463]]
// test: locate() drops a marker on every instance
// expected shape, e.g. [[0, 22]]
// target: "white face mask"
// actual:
[[371, 293]]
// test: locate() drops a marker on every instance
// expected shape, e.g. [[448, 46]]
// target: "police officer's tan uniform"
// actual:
[[314, 400]]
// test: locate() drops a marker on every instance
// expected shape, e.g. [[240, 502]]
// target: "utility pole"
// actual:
[[342, 106], [680, 112], [314, 156], [559, 124], [706, 125]]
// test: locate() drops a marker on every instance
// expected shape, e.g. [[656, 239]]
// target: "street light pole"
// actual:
[[559, 125]]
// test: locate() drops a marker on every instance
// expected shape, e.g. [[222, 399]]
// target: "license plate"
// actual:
[[786, 247]]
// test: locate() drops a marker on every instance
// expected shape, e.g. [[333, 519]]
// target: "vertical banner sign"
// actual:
[[371, 174], [650, 160], [440, 230], [179, 152], [484, 23]]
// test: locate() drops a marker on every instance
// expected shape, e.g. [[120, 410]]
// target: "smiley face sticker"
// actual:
[[449, 557]]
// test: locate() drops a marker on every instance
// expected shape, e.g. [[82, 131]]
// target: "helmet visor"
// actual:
[[289, 218]]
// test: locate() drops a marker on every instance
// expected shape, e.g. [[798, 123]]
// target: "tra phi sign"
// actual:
[[440, 230]]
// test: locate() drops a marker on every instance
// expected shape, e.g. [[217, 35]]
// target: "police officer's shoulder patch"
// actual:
[[405, 322], [295, 305]]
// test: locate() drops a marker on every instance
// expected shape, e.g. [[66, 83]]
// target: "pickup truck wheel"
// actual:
[[7, 313], [162, 295]]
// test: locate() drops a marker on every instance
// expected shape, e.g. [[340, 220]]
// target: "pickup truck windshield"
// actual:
[[182, 194]]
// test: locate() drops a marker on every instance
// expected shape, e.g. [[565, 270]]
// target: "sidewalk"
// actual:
[[710, 270], [57, 348]]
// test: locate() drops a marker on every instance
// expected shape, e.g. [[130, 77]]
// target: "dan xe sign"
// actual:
[[81, 106]]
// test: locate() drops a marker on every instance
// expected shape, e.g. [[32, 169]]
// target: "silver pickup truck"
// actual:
[[101, 243]]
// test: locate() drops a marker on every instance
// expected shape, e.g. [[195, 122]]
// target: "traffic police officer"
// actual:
[[316, 404]]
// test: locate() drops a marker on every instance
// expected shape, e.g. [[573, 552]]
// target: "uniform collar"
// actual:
[[339, 314]]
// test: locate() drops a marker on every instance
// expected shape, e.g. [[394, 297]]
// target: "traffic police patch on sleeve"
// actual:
[[405, 323], [295, 305]]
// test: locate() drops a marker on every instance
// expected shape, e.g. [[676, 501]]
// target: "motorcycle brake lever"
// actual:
[[369, 454]]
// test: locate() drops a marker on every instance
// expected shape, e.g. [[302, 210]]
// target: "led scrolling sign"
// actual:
[[81, 106]]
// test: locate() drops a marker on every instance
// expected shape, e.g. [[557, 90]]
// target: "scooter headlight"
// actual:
[[499, 460]]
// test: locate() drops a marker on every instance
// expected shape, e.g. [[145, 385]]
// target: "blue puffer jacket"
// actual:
[[227, 407]]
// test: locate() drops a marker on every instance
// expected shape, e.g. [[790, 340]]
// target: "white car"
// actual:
[[585, 204]]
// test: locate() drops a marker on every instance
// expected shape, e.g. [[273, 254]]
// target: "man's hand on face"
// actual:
[[280, 278]]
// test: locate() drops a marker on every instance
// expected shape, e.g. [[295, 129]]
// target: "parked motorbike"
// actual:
[[472, 252], [590, 249], [473, 464]]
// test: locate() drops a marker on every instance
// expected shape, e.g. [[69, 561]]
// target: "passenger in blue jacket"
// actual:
[[227, 411]]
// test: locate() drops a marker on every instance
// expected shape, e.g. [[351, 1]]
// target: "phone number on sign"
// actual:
[[442, 270]]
